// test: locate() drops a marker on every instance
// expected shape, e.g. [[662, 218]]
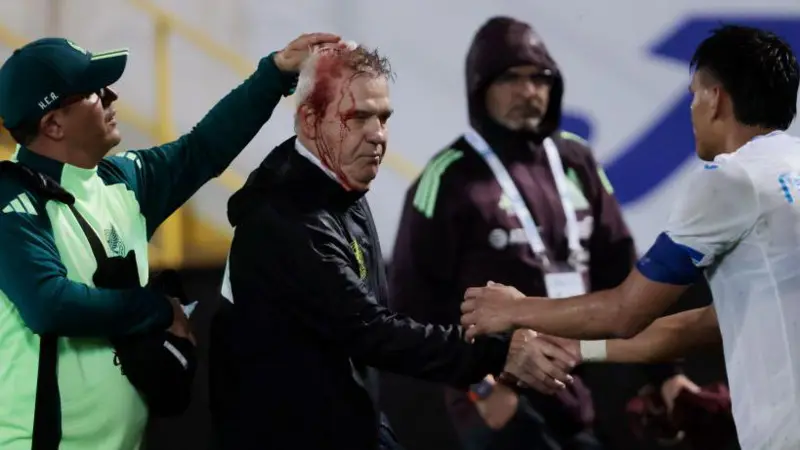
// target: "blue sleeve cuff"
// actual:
[[671, 263]]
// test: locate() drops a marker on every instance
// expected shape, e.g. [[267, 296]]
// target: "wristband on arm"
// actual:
[[593, 351]]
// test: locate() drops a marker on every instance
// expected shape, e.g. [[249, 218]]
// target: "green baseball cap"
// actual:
[[39, 75]]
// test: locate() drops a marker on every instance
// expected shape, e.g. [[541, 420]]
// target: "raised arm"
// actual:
[[166, 176]]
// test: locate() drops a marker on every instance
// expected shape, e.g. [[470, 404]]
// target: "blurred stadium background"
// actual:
[[625, 65]]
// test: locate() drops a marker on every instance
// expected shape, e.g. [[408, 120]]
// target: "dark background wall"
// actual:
[[416, 409]]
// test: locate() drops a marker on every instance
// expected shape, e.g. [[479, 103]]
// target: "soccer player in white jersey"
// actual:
[[738, 223]]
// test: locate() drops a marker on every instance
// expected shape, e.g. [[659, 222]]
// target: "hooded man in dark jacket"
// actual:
[[307, 284], [463, 226]]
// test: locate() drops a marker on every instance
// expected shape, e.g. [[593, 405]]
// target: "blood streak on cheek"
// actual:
[[345, 114], [329, 69]]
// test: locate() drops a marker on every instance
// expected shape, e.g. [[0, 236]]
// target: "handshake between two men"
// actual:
[[571, 331], [535, 360], [541, 362]]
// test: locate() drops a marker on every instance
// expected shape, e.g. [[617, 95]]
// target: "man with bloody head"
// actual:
[[342, 113], [305, 282]]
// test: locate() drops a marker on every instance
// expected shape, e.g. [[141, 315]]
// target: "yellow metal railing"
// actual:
[[244, 67], [168, 243], [171, 240]]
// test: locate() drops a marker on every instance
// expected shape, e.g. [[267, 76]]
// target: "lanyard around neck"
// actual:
[[518, 203]]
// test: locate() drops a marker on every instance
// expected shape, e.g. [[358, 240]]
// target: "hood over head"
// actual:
[[502, 43]]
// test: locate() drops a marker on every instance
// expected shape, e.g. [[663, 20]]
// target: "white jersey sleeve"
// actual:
[[719, 207]]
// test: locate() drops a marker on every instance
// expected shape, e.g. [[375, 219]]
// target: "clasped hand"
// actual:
[[489, 309], [292, 57], [542, 362]]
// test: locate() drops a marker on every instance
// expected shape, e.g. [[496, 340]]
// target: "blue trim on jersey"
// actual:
[[785, 186], [670, 262]]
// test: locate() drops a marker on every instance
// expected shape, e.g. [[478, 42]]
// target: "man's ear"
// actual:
[[52, 125], [307, 121], [715, 101]]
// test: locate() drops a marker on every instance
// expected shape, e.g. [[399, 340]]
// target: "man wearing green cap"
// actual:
[[56, 102]]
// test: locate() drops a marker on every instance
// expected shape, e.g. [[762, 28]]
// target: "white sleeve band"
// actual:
[[593, 351]]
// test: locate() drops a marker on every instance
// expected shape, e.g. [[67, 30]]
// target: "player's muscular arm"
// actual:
[[665, 340], [621, 312], [668, 338]]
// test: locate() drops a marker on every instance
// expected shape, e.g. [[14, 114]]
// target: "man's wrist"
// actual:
[[508, 379], [278, 61], [515, 315], [288, 77]]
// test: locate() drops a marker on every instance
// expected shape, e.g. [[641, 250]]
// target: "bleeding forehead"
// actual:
[[365, 92]]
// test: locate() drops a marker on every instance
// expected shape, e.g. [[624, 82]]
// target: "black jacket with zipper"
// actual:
[[309, 316]]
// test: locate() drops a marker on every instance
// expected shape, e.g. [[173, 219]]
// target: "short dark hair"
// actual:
[[757, 69]]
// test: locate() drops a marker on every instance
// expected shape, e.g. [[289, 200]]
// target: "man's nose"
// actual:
[[527, 87], [376, 133]]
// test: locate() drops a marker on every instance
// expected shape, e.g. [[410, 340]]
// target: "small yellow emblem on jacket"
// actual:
[[359, 254]]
